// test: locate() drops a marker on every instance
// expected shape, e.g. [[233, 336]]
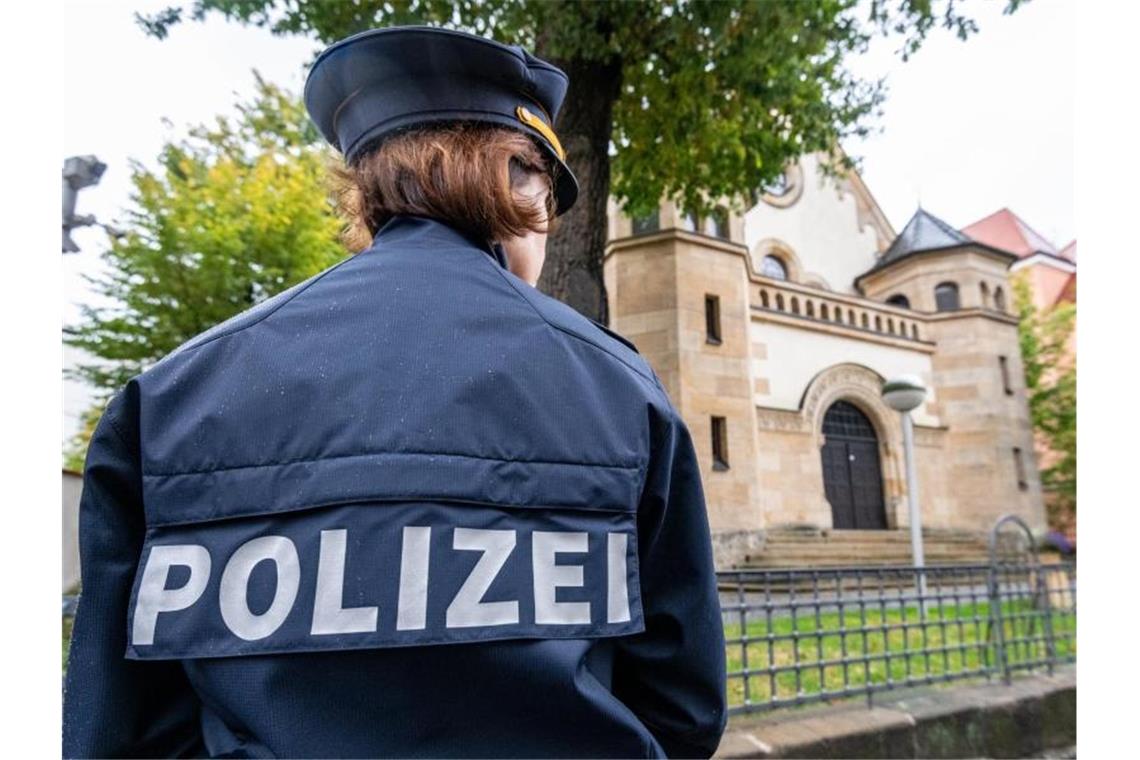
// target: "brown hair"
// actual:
[[460, 173]]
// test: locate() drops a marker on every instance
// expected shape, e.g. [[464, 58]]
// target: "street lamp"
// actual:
[[904, 394], [78, 172]]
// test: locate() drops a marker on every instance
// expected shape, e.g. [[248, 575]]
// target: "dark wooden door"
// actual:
[[852, 476]]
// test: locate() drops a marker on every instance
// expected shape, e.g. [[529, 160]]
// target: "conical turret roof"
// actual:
[[924, 232]]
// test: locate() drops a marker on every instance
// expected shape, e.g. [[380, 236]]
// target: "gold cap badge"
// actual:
[[528, 118]]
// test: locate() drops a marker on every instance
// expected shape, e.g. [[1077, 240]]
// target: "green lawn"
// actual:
[[66, 638], [953, 637]]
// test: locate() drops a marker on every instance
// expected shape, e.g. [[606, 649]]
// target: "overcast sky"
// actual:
[[968, 127]]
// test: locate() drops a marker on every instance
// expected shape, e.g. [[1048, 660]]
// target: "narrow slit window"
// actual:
[[1003, 363], [720, 443], [712, 319], [1019, 468]]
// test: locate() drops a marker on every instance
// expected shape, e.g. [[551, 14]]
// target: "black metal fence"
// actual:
[[797, 636]]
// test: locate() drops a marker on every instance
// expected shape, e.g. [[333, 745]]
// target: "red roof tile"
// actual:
[[1070, 251], [1006, 230]]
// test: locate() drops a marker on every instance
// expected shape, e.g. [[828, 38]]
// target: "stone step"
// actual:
[[858, 558], [821, 556], [818, 548], [867, 536], [866, 550], [812, 562]]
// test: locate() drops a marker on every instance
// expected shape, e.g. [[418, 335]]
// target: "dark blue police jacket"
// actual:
[[409, 507]]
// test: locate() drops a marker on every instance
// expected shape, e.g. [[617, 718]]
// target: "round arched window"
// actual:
[[773, 267], [946, 297], [778, 187], [898, 299]]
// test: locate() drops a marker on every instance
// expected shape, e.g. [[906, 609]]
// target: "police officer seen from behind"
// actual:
[[410, 506]]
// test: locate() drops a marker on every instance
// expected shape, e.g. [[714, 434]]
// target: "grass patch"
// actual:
[[67, 623], [899, 646]]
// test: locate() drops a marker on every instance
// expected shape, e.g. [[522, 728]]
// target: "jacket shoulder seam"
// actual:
[[269, 313], [564, 331]]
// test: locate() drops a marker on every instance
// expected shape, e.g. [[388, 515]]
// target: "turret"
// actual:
[[977, 368], [679, 289]]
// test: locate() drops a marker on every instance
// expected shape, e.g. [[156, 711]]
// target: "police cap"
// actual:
[[385, 80]]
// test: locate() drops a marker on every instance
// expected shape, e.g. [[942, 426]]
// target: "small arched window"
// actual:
[[984, 290], [864, 320], [914, 331], [878, 323], [780, 301], [809, 308], [643, 225], [946, 297], [999, 299], [898, 299], [891, 326], [773, 268], [716, 223], [824, 313], [764, 298], [795, 305], [690, 222], [850, 316]]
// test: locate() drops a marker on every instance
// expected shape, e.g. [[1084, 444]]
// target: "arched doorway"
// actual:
[[852, 475]]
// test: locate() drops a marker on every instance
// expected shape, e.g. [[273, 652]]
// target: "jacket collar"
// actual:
[[422, 231]]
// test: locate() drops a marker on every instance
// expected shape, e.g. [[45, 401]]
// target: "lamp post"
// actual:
[[904, 394], [78, 172]]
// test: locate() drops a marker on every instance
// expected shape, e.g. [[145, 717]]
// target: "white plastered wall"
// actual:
[[794, 357], [821, 228]]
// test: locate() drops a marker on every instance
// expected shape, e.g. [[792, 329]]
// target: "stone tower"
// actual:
[[679, 289], [963, 285]]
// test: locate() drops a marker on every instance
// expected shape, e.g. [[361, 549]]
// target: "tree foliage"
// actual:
[[75, 450], [233, 214], [690, 100], [1051, 381]]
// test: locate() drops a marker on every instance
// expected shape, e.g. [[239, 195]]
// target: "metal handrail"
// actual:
[[807, 635]]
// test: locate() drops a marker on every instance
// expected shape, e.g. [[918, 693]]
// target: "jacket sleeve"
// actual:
[[672, 675], [115, 707]]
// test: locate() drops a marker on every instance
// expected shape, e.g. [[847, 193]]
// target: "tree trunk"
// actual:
[[573, 269]]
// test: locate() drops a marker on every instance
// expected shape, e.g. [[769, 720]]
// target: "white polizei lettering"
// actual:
[[548, 576], [233, 593], [617, 593], [329, 614], [411, 608], [467, 609], [154, 597]]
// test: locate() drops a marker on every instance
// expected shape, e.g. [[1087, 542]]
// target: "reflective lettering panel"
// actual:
[[466, 608], [381, 574], [412, 614], [548, 576], [328, 614], [233, 595], [617, 596], [154, 597]]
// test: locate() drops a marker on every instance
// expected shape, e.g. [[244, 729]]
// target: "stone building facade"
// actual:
[[773, 332]]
